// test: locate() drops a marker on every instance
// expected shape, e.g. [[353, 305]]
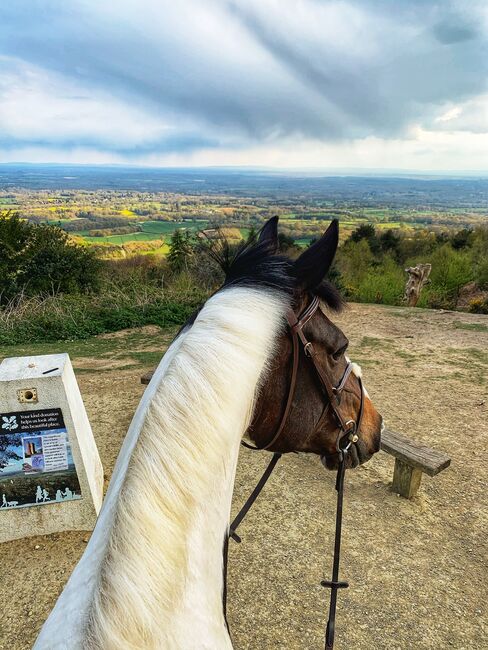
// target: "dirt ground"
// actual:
[[417, 569]]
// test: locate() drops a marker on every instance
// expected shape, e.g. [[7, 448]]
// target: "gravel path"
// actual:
[[417, 569]]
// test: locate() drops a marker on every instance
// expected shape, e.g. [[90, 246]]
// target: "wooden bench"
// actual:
[[412, 459]]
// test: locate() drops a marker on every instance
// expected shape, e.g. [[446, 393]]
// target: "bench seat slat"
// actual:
[[414, 453]]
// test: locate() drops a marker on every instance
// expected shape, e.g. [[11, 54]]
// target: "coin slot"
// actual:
[[27, 395]]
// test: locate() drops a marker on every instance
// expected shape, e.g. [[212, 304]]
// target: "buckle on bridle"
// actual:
[[349, 434], [308, 349]]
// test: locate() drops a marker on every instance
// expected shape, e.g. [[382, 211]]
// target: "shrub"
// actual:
[[383, 283], [479, 306], [436, 300], [481, 273], [69, 317], [450, 270], [354, 261], [181, 250], [38, 259]]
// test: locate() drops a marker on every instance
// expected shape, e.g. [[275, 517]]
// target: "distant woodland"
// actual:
[[78, 261]]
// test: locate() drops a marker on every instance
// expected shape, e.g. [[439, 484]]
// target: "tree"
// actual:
[[252, 235], [418, 277], [181, 249], [367, 231], [13, 241], [285, 242], [41, 258], [390, 242], [461, 239], [6, 451]]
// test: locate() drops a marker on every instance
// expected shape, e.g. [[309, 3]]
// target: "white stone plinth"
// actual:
[[44, 425]]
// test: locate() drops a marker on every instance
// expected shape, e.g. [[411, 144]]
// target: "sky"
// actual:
[[372, 84]]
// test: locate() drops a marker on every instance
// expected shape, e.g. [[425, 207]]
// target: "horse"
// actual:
[[151, 576]]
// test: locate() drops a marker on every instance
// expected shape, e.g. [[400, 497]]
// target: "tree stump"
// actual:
[[418, 277]]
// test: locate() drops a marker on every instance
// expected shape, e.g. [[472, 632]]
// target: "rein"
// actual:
[[348, 435]]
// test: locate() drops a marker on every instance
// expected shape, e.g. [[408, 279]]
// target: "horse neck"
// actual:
[[160, 581]]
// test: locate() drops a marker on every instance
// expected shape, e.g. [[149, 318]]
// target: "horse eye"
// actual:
[[337, 355]]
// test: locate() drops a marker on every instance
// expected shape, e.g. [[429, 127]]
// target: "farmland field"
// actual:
[[114, 207], [149, 230]]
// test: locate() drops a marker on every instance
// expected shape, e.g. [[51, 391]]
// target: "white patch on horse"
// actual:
[[151, 575], [357, 370]]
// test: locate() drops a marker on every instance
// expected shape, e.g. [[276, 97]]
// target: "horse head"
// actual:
[[314, 418]]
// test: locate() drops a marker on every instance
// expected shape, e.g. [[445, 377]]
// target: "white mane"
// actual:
[[151, 576]]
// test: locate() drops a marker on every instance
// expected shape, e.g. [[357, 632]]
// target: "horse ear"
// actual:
[[268, 234], [312, 265]]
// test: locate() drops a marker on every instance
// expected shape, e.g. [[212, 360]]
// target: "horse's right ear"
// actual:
[[312, 265], [268, 235]]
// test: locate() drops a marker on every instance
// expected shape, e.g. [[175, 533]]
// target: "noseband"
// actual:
[[349, 431]]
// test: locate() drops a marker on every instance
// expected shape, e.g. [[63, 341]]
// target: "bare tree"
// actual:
[[418, 277]]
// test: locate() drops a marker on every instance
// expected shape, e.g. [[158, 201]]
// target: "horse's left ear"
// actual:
[[269, 234], [312, 265]]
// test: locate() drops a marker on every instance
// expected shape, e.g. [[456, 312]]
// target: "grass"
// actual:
[[68, 318], [401, 314], [364, 362], [95, 346], [138, 348], [372, 342], [471, 354], [408, 356], [476, 327], [473, 360], [149, 230]]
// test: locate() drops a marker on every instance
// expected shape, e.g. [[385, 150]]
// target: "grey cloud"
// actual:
[[180, 143], [457, 27], [238, 73]]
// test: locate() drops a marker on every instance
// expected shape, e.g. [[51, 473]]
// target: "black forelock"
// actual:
[[255, 264]]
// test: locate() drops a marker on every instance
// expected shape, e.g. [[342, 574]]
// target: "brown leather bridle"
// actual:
[[349, 431], [347, 428]]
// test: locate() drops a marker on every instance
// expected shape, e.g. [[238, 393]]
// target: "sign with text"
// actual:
[[36, 464]]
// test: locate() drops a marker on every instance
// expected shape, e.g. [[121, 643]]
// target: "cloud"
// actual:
[[137, 78], [469, 117], [41, 108]]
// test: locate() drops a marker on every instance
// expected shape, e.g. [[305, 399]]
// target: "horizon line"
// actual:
[[339, 171]]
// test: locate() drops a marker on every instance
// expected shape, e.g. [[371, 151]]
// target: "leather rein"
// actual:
[[349, 431]]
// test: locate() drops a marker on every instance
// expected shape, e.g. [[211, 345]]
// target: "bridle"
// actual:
[[349, 431], [347, 428]]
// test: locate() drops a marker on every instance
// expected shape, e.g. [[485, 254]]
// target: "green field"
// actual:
[[149, 230], [302, 217]]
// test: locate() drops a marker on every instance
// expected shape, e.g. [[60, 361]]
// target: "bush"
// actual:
[[69, 317], [436, 300], [383, 284], [181, 250], [481, 274], [451, 270], [37, 259], [479, 306], [366, 278]]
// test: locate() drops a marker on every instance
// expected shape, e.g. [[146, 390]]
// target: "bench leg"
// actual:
[[406, 479]]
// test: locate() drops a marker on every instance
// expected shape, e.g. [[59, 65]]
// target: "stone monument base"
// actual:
[[51, 477]]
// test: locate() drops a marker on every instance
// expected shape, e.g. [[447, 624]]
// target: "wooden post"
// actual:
[[406, 479], [418, 277]]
